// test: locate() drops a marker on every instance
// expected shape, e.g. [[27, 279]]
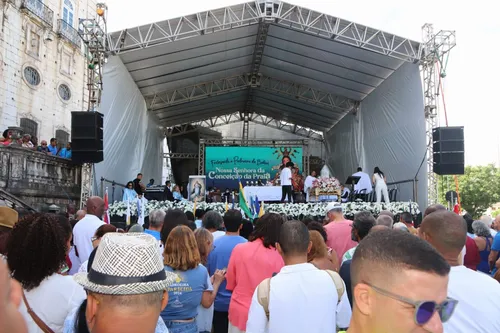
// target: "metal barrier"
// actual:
[[113, 188], [38, 9], [406, 189]]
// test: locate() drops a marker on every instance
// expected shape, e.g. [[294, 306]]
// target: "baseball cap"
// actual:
[[333, 206]]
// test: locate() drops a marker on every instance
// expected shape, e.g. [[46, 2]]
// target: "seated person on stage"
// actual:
[[129, 194], [177, 194], [345, 193], [364, 183]]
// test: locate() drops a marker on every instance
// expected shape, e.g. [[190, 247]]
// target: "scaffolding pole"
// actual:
[[433, 67], [93, 32]]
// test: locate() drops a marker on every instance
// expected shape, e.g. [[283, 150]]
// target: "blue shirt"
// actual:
[[219, 259], [129, 194], [198, 223], [495, 247], [154, 233], [178, 196], [184, 295], [52, 149], [65, 153]]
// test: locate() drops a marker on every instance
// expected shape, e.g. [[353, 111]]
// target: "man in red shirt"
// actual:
[[338, 230]]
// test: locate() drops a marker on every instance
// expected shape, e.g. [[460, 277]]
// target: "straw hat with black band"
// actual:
[[126, 264]]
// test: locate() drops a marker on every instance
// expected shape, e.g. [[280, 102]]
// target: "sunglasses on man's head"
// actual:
[[424, 310]]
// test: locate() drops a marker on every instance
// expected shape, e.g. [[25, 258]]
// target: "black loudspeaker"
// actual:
[[87, 137], [448, 147]]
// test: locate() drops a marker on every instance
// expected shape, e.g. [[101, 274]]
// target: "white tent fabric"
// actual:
[[132, 138], [388, 131]]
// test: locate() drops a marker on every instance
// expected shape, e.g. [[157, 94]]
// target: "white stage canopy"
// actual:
[[277, 65]]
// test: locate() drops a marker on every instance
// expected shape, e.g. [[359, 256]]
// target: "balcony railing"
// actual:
[[38, 9], [66, 31]]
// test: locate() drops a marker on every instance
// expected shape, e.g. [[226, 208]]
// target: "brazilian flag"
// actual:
[[243, 202]]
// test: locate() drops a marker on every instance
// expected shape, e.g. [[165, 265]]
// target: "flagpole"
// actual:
[[128, 212]]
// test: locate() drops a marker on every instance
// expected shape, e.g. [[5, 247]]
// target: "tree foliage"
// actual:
[[479, 188]]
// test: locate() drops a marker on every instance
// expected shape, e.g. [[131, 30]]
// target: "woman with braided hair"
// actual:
[[37, 251]]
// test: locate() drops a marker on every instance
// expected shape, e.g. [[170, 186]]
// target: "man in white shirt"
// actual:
[[85, 229], [399, 283], [212, 221], [478, 294], [286, 182], [301, 297], [364, 183]]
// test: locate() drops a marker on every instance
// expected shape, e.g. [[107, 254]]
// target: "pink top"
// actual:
[[339, 237], [250, 263]]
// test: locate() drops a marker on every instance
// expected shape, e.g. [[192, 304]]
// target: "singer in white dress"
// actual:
[[380, 182]]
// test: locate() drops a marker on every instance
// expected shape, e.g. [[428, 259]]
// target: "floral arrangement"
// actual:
[[119, 208], [326, 185]]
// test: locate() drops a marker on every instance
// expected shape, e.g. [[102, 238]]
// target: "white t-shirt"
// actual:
[[285, 176], [478, 298], [364, 183], [83, 232], [310, 307], [52, 301], [218, 234]]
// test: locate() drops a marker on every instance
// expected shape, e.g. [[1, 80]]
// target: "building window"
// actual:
[[33, 43], [64, 92], [32, 76], [29, 126], [62, 138], [68, 12]]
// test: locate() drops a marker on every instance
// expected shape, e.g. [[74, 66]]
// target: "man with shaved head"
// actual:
[[85, 229], [478, 294], [300, 298], [399, 285]]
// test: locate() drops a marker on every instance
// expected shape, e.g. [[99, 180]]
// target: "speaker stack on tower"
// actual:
[[86, 137], [448, 145]]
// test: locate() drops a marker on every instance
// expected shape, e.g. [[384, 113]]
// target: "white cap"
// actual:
[[333, 206]]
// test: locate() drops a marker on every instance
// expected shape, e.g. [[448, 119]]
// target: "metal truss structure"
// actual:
[[282, 14], [256, 118], [94, 34], [243, 82], [434, 59], [182, 156], [251, 143]]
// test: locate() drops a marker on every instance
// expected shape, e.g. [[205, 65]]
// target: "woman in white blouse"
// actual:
[[37, 251]]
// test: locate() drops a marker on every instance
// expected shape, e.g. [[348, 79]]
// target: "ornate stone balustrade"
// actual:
[[39, 179]]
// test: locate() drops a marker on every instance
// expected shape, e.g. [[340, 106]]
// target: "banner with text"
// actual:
[[223, 165]]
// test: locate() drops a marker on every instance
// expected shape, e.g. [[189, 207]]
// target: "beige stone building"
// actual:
[[42, 65]]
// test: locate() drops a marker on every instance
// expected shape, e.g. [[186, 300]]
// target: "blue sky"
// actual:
[[473, 70]]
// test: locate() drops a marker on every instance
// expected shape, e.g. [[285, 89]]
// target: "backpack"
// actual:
[[264, 290]]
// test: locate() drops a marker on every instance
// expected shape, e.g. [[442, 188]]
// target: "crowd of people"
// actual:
[[31, 142], [206, 272]]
